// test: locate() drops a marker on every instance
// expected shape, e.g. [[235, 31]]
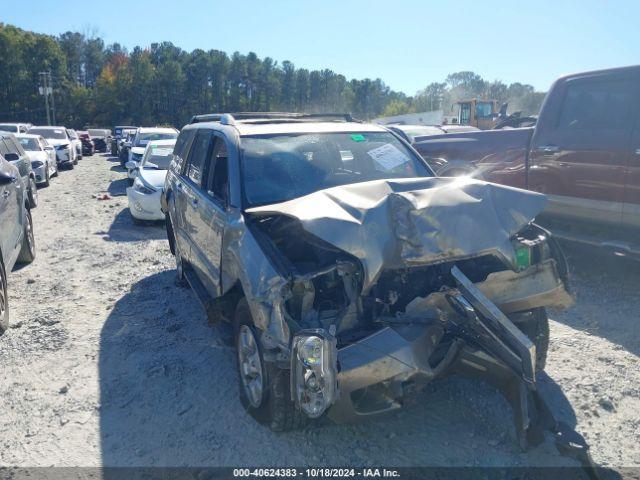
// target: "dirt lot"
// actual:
[[109, 363]]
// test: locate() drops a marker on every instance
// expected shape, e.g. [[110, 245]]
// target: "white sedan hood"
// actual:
[[58, 141], [37, 156], [155, 178]]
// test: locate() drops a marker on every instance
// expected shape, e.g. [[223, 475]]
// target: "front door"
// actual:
[[10, 211], [580, 157]]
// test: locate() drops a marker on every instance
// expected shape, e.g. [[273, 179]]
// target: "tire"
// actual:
[[4, 300], [170, 235], [272, 406], [32, 194], [535, 325], [181, 280], [47, 176], [28, 250]]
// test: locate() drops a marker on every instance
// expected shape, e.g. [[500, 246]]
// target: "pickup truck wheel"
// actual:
[[4, 300], [535, 325], [263, 386], [28, 250], [32, 194]]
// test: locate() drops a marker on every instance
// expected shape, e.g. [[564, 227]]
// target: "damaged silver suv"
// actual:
[[351, 275]]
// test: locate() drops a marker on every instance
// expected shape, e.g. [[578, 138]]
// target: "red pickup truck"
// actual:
[[584, 153]]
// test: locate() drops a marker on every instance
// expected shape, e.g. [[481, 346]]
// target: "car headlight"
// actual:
[[36, 164], [314, 383], [140, 187], [62, 147]]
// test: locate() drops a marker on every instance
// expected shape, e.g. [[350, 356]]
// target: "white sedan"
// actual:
[[144, 195], [42, 157], [144, 135]]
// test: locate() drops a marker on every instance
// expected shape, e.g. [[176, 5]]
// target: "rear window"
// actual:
[[595, 105]]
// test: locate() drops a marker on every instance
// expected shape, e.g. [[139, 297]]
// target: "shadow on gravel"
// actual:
[[122, 229], [607, 299], [118, 188], [168, 396]]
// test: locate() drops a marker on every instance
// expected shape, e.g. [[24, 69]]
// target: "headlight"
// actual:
[[62, 147], [36, 164], [314, 383], [140, 187]]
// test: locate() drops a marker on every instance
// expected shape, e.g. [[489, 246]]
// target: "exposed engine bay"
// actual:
[[381, 289]]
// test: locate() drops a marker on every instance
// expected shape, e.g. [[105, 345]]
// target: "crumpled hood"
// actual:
[[415, 221], [155, 178]]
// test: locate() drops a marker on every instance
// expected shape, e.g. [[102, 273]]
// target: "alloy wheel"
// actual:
[[250, 365]]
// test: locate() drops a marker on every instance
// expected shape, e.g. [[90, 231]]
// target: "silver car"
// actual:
[[42, 157]]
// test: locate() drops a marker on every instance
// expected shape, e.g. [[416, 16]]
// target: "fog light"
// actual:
[[138, 206]]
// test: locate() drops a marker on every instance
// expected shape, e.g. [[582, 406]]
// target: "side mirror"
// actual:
[[131, 165], [11, 157], [6, 179]]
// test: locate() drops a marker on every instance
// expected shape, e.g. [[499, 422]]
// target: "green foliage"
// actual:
[[102, 85]]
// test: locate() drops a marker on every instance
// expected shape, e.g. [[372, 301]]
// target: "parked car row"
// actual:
[[30, 156]]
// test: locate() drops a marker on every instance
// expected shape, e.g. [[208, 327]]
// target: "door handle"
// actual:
[[548, 149]]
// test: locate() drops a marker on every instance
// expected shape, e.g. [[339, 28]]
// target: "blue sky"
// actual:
[[407, 43]]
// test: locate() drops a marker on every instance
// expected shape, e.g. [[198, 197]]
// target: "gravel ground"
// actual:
[[107, 362]]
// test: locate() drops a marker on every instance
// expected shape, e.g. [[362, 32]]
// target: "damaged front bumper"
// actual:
[[464, 331]]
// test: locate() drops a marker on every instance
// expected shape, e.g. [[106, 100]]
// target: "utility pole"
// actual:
[[53, 103], [44, 90]]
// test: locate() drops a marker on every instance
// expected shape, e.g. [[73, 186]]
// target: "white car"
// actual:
[[75, 139], [42, 157], [144, 135], [15, 127], [144, 195], [59, 139]]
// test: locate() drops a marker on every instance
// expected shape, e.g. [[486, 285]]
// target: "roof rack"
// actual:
[[269, 117]]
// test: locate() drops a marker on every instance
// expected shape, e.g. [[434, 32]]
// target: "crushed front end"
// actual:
[[392, 285]]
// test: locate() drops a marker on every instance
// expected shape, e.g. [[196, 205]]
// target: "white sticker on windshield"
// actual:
[[387, 157], [162, 152]]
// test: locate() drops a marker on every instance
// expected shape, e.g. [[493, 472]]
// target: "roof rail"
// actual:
[[231, 118]]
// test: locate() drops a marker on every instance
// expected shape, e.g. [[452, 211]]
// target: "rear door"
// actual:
[[579, 155], [188, 196], [10, 210], [631, 207]]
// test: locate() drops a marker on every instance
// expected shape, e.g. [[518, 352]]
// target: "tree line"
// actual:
[[103, 85]]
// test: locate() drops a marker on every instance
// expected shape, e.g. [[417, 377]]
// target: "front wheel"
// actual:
[[264, 388], [4, 300], [47, 176], [28, 249], [32, 195]]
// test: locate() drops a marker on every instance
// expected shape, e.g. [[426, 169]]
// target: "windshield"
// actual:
[[282, 167], [413, 132], [157, 157], [98, 133], [30, 144], [9, 128], [144, 138], [54, 133]]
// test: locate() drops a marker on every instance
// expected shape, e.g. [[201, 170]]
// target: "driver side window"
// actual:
[[217, 169]]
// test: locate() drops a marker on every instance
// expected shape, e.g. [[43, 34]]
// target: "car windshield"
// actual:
[[9, 128], [144, 138], [30, 144], [157, 157], [414, 132], [277, 168], [98, 133], [54, 133]]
